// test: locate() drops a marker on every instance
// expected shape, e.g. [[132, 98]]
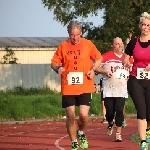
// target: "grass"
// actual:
[[135, 138], [41, 103]]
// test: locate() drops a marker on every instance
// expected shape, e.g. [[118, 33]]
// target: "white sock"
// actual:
[[74, 140], [80, 132]]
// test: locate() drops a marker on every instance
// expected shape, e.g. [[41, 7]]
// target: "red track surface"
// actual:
[[53, 136]]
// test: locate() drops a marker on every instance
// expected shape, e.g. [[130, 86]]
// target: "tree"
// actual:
[[66, 10], [121, 17], [9, 57]]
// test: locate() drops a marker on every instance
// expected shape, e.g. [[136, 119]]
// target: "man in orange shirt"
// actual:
[[73, 60]]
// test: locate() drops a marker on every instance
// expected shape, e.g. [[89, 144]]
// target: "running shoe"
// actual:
[[104, 121], [118, 137], [109, 130], [148, 136], [83, 140], [144, 146], [75, 146]]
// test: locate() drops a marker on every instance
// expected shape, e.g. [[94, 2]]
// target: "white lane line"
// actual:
[[57, 142], [61, 148]]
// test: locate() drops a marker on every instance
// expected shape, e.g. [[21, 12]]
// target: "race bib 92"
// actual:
[[75, 78], [142, 73]]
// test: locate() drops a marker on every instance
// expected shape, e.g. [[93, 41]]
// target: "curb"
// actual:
[[55, 119]]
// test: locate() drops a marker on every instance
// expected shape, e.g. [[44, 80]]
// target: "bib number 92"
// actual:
[[75, 78]]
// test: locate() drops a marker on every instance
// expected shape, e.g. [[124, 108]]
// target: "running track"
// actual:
[[52, 136]]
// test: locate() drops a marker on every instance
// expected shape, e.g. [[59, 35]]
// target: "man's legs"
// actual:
[[104, 112], [83, 117], [124, 124], [69, 102], [83, 101], [71, 126], [120, 102], [70, 122], [103, 109], [110, 113], [82, 123]]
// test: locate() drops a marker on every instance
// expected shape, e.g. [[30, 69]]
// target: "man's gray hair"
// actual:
[[74, 25]]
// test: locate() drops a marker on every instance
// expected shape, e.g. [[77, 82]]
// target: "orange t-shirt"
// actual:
[[76, 58]]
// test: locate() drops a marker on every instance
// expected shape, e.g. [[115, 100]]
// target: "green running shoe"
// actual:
[[75, 146], [144, 146], [83, 140], [148, 136]]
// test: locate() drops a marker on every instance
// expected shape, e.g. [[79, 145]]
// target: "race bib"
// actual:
[[122, 74], [75, 78], [142, 73]]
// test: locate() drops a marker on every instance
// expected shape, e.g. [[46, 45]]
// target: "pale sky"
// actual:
[[29, 18]]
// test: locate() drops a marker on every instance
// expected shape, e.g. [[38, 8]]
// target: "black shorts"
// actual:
[[77, 100]]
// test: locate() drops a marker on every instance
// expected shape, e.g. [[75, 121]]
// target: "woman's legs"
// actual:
[[137, 90]]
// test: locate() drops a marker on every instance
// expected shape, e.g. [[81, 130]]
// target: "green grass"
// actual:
[[135, 138], [37, 103]]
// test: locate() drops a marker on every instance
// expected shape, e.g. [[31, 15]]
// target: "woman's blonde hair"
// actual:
[[144, 15]]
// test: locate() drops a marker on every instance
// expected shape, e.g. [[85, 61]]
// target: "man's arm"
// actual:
[[54, 66], [58, 69], [56, 61], [100, 70], [126, 61], [97, 64]]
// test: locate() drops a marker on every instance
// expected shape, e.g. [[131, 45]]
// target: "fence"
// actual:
[[27, 76]]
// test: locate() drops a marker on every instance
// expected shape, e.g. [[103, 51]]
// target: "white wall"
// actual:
[[27, 76], [31, 55], [31, 76]]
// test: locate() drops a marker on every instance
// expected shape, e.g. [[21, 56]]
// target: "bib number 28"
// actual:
[[75, 78]]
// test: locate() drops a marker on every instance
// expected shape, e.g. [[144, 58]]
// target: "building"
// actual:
[[31, 50], [33, 66]]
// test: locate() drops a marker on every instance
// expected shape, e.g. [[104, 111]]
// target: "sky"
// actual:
[[29, 18]]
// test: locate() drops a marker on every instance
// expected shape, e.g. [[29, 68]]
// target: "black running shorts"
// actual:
[[77, 100]]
